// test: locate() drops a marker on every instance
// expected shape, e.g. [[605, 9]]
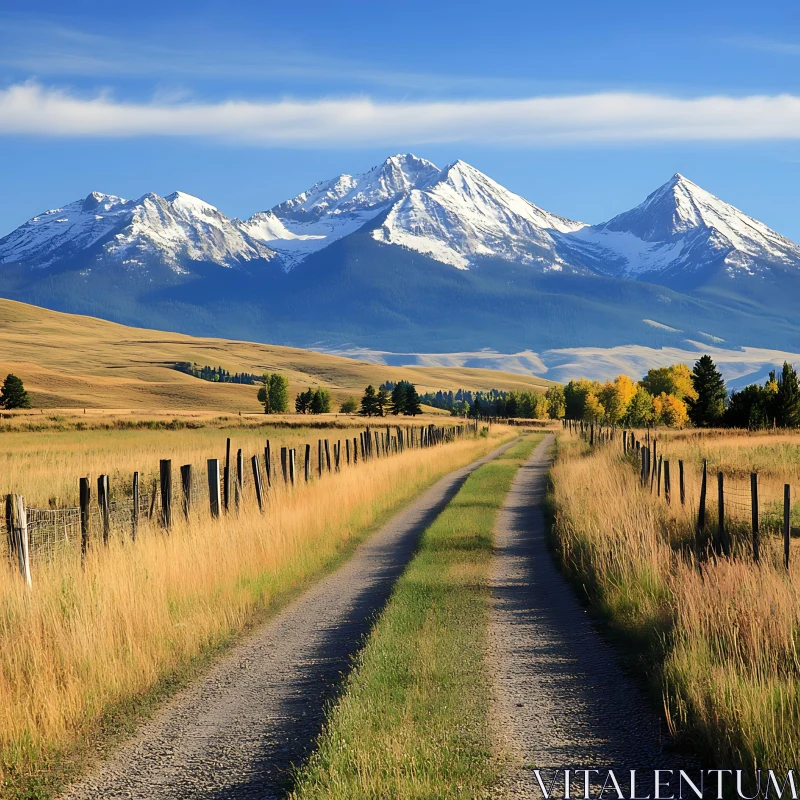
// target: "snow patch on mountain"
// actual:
[[61, 232], [682, 227], [462, 215]]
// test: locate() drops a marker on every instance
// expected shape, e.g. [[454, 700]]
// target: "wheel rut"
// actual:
[[237, 732], [560, 696]]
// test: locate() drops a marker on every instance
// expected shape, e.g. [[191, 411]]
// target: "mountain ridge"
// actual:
[[410, 252]]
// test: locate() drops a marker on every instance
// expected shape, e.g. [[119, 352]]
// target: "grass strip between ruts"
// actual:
[[413, 719]]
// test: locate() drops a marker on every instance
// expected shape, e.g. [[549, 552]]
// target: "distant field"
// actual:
[[69, 361]]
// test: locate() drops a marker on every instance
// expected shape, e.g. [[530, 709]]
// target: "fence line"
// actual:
[[46, 534], [729, 506]]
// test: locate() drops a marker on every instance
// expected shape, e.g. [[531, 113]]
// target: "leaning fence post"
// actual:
[[355, 450], [214, 499], [257, 482], [754, 513], [327, 455], [268, 464], [166, 492], [787, 522], [17, 519], [85, 499], [135, 509], [186, 487], [102, 503]]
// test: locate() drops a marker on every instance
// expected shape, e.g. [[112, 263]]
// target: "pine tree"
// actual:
[[369, 402], [397, 403], [381, 402], [13, 394], [302, 403], [413, 405], [787, 400], [707, 409]]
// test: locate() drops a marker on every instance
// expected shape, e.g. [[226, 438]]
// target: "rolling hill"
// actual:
[[70, 361]]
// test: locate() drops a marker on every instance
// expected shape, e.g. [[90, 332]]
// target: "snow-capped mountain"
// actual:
[[172, 231], [456, 215], [460, 216], [680, 232], [408, 255], [332, 209]]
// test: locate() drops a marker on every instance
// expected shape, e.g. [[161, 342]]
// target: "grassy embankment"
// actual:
[[720, 643], [90, 649], [413, 721]]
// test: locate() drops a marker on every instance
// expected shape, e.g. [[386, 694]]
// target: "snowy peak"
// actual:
[[681, 229], [461, 216], [170, 230]]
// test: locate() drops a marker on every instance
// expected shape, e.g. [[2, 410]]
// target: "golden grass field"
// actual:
[[85, 642], [69, 361], [720, 640]]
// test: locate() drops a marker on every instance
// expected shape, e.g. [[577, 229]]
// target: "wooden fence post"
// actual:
[[701, 513], [658, 477], [186, 489], [239, 478], [102, 504], [285, 464], [327, 455], [682, 483], [754, 514], [257, 483], [214, 498], [17, 521], [166, 493], [291, 466], [654, 465], [337, 453], [721, 540], [308, 463], [667, 484], [355, 450], [319, 458], [268, 464], [226, 477], [85, 499], [347, 450], [787, 522], [135, 508]]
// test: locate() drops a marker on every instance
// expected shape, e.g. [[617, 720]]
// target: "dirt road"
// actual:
[[236, 733], [560, 695]]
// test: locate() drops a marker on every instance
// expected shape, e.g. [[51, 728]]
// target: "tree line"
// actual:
[[216, 374]]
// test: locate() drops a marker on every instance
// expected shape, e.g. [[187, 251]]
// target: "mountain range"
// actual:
[[410, 257]]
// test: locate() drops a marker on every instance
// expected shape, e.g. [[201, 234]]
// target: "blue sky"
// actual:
[[584, 111]]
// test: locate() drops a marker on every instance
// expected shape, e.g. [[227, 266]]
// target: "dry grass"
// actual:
[[69, 361], [722, 643], [87, 640]]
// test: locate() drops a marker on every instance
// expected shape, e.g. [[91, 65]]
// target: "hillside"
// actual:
[[69, 361]]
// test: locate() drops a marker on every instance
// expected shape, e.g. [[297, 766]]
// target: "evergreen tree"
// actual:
[[381, 402], [787, 399], [397, 403], [413, 405], [302, 403], [476, 410], [321, 402], [369, 406], [708, 407], [13, 394]]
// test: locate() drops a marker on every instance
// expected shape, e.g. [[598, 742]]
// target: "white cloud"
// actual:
[[31, 109]]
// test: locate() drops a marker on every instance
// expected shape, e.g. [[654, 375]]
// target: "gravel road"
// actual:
[[560, 695], [236, 732]]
